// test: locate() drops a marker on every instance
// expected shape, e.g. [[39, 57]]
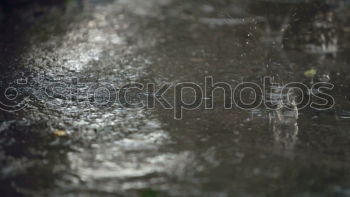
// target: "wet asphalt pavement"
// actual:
[[65, 143]]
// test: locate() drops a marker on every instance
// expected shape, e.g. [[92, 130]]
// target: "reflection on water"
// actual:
[[284, 121], [63, 146]]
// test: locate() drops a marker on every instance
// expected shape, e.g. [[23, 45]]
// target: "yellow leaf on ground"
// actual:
[[310, 73], [60, 133]]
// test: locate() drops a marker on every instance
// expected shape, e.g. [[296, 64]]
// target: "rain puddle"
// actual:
[[63, 139]]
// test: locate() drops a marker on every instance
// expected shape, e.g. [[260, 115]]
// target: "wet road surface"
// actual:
[[62, 145]]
